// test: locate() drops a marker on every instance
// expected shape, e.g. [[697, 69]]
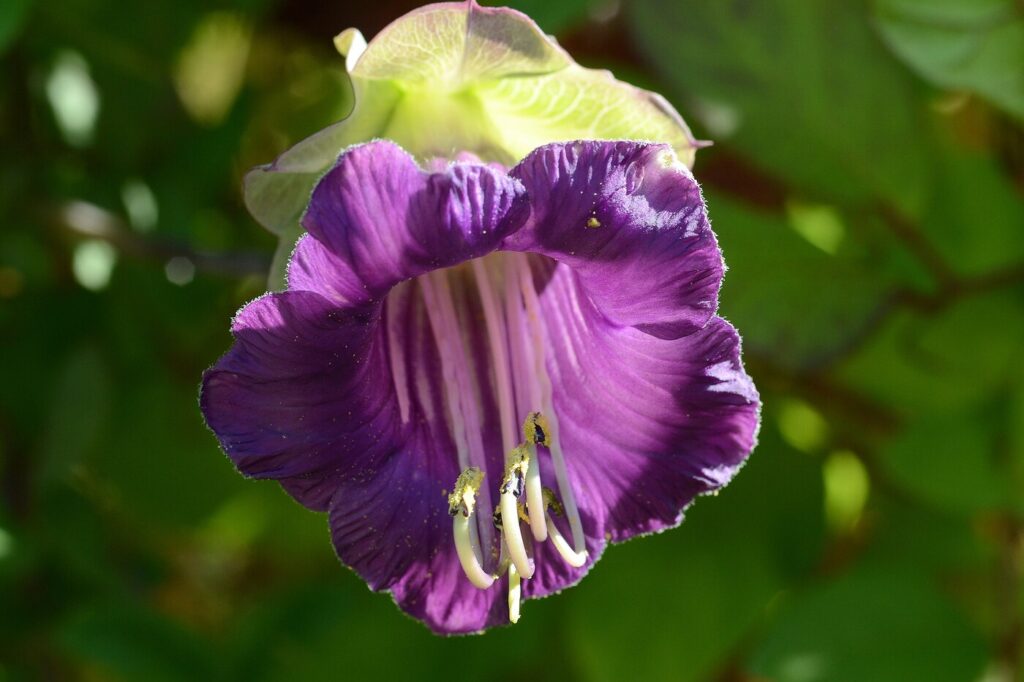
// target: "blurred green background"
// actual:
[[867, 186]]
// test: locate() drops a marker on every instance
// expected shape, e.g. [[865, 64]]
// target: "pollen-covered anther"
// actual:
[[511, 489], [461, 506], [520, 508], [536, 431], [551, 502]]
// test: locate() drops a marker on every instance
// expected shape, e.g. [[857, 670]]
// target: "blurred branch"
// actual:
[[88, 220], [953, 290], [822, 391], [917, 243], [950, 286]]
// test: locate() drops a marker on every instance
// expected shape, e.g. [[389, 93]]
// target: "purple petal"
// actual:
[[392, 527], [632, 224], [376, 219], [647, 424], [390, 523], [297, 397]]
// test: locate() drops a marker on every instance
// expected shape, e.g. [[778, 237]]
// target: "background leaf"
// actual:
[[12, 16], [881, 626], [974, 45], [800, 87]]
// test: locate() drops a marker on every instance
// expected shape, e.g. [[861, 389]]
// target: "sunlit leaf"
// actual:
[[974, 45], [802, 88], [795, 303], [949, 461]]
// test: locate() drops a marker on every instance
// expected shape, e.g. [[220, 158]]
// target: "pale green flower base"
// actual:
[[454, 77]]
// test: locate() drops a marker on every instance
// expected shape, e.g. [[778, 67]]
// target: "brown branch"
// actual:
[[917, 243]]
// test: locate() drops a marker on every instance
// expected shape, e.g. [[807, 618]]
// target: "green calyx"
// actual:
[[453, 77]]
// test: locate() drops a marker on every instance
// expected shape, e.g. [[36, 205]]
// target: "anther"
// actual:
[[535, 430], [551, 502], [461, 505], [511, 489]]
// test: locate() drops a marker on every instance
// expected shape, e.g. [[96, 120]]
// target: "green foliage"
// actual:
[[874, 232], [802, 88], [774, 289], [711, 586], [12, 16], [873, 625], [132, 643], [974, 45], [928, 459]]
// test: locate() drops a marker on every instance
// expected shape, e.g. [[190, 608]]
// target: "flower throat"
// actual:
[[500, 289]]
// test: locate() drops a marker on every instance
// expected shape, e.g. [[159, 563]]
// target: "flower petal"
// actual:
[[646, 424], [630, 221], [392, 527], [389, 519], [306, 396], [376, 219], [298, 395]]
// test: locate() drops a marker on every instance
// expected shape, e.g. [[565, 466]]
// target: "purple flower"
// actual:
[[486, 376]]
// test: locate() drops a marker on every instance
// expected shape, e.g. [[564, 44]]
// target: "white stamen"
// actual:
[[469, 556], [513, 536], [547, 406], [461, 505], [516, 335], [526, 390], [535, 496], [448, 363], [574, 559], [496, 335], [515, 590]]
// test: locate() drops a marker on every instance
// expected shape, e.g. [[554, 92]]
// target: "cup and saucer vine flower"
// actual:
[[486, 366]]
